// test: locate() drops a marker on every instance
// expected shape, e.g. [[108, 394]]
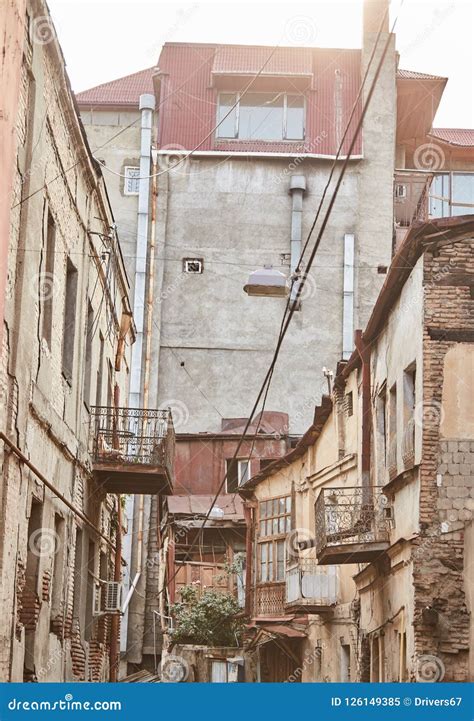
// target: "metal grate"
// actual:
[[270, 600], [132, 436], [351, 515]]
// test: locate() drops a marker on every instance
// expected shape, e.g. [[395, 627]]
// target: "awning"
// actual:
[[272, 632]]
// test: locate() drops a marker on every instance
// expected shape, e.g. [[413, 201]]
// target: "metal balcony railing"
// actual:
[[132, 436], [408, 444], [270, 600], [310, 584], [354, 515]]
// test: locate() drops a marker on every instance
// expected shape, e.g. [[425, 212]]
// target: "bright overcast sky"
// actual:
[[105, 39]]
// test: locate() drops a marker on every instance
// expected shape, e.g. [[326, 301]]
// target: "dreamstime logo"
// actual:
[[179, 412], [173, 158], [42, 30], [428, 413], [298, 539], [300, 30], [429, 669], [43, 542], [429, 156], [173, 669], [44, 286], [309, 288]]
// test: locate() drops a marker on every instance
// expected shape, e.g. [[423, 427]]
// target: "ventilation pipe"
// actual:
[[348, 298], [297, 189], [147, 106]]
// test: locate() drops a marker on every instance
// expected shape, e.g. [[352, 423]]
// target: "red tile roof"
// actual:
[[413, 75], [454, 136], [123, 91]]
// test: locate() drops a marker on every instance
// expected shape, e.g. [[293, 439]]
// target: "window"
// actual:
[[131, 184], [261, 116], [69, 329], [238, 471], [381, 421], [274, 524], [88, 359], [48, 287], [451, 194], [100, 371], [58, 568], [348, 404], [275, 516], [409, 380], [393, 413], [345, 663], [193, 265]]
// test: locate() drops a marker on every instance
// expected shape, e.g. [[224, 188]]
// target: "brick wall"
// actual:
[[446, 473]]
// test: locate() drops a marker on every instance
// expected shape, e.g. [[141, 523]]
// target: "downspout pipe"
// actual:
[[364, 353], [348, 297], [297, 190]]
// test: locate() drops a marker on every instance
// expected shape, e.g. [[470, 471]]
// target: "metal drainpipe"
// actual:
[[297, 189], [147, 107], [348, 298]]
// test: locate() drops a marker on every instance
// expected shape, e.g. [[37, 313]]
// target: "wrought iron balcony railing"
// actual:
[[311, 585], [132, 439], [270, 600], [352, 524]]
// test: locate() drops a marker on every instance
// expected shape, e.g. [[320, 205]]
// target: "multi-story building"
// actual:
[[69, 445], [360, 568]]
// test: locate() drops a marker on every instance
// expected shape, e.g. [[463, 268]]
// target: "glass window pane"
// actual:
[[463, 192], [263, 509], [244, 471], [288, 524], [288, 504], [280, 567], [275, 507], [262, 528], [269, 528], [295, 117], [261, 116], [281, 525], [281, 507], [226, 128], [439, 196], [263, 551], [275, 526]]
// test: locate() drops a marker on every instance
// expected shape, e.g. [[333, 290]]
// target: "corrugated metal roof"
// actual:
[[454, 136], [248, 59], [200, 505], [123, 91]]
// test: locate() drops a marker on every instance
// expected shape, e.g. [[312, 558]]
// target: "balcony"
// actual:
[[352, 525], [132, 449], [310, 587]]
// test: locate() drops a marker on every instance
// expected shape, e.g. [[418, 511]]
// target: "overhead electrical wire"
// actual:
[[292, 306]]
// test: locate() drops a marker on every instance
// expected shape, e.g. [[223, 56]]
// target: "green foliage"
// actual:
[[208, 619]]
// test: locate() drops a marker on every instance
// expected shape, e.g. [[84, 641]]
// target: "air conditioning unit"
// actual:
[[107, 597], [113, 596]]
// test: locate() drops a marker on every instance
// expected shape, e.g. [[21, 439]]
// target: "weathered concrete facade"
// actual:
[[65, 348]]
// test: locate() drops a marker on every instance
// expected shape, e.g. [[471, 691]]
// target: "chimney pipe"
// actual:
[[373, 12]]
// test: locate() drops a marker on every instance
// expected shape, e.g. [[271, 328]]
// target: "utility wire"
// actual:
[[292, 307]]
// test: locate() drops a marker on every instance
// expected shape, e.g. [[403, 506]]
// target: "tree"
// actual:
[[212, 618]]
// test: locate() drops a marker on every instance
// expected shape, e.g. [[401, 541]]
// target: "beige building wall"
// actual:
[[65, 298]]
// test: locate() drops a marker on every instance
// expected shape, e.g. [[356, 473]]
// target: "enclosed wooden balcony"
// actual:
[[270, 600], [132, 449], [352, 525], [311, 588]]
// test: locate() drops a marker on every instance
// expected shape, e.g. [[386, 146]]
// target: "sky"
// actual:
[[104, 39]]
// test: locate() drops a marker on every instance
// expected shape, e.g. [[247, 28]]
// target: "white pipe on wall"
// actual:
[[348, 297], [297, 189]]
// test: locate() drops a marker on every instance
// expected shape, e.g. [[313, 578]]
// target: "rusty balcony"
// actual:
[[132, 449], [352, 525], [311, 588]]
